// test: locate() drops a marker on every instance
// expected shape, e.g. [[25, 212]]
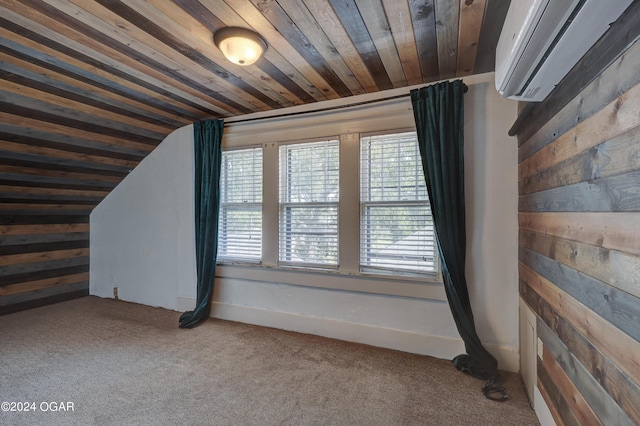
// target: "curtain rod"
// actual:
[[465, 89]]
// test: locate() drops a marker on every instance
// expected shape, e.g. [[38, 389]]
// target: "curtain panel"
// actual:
[[439, 116], [207, 137]]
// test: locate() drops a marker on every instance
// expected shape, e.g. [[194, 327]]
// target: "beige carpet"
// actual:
[[126, 364]]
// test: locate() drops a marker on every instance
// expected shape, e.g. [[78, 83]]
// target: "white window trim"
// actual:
[[347, 276]]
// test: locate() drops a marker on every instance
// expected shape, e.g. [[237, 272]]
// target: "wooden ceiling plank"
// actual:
[[196, 20], [57, 173], [23, 243], [45, 243], [23, 208], [11, 158], [136, 47], [16, 179], [145, 17], [348, 13], [494, 16], [98, 74], [399, 18], [447, 21], [423, 19], [56, 29], [322, 12], [302, 18], [52, 154], [471, 16], [24, 197], [16, 83], [272, 10], [274, 63], [279, 43], [38, 109], [47, 57], [32, 229], [71, 88], [24, 190], [375, 19], [72, 136], [265, 74]]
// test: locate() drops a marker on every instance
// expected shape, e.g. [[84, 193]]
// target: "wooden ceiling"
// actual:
[[89, 88]]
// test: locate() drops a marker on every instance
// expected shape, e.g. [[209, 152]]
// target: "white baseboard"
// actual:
[[541, 409], [406, 341]]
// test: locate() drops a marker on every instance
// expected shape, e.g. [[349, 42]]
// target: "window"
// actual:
[[396, 228], [309, 193], [240, 222]]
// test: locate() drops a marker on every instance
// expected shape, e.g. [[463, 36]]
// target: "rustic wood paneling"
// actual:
[[615, 231], [576, 403], [577, 384], [603, 369], [561, 412], [579, 252], [44, 258]]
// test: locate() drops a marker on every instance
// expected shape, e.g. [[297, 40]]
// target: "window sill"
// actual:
[[403, 286]]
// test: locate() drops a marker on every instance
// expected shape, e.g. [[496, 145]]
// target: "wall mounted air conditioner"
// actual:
[[542, 40]]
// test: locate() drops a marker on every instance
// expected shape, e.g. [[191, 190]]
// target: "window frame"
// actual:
[[347, 276], [238, 205], [373, 270], [286, 206]]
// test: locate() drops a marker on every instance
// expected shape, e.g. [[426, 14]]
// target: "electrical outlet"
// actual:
[[540, 348], [115, 293]]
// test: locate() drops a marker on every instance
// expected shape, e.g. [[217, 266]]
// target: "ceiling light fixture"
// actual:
[[240, 45]]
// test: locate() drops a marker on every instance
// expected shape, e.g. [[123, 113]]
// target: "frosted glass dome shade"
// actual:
[[240, 45]]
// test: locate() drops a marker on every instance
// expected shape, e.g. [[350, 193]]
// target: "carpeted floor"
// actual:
[[119, 363]]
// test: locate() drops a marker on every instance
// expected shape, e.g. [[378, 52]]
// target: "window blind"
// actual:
[[309, 195], [396, 227], [240, 222]]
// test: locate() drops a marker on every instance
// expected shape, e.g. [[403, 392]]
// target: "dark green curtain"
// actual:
[[439, 115], [207, 137]]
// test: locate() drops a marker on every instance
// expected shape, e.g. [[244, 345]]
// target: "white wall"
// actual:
[[142, 234], [142, 238]]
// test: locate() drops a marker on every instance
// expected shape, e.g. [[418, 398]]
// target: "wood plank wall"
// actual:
[[43, 259], [579, 247]]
